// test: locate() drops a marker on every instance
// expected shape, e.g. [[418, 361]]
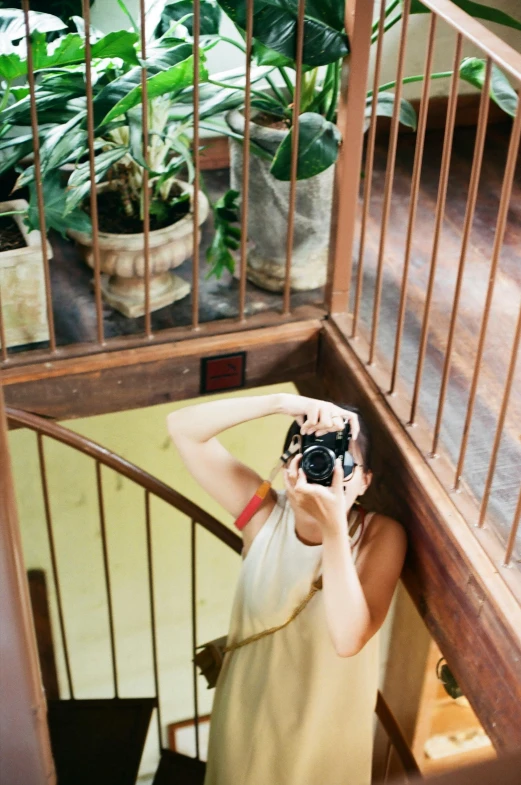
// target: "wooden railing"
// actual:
[[454, 392]]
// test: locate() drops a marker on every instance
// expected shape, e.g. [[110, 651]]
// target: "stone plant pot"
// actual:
[[22, 284], [268, 215], [122, 259]]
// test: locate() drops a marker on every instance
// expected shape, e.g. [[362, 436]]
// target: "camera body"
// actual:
[[319, 454]]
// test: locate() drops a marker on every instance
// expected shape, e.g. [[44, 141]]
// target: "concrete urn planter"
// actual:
[[22, 284], [268, 215], [122, 259]]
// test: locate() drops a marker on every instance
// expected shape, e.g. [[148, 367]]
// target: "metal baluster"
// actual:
[[193, 561], [197, 168], [101, 509], [438, 223], [145, 185], [38, 177], [92, 168], [150, 571], [54, 561], [389, 178], [369, 163], [246, 162], [506, 192], [413, 205], [286, 309]]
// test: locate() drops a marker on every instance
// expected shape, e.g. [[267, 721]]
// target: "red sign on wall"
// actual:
[[225, 372]]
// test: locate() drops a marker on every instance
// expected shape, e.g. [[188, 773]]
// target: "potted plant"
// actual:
[[120, 160], [274, 116], [22, 282]]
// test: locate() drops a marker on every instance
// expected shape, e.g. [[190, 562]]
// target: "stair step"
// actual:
[[99, 741], [177, 769]]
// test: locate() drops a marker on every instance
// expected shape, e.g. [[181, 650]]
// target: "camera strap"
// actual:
[[264, 488]]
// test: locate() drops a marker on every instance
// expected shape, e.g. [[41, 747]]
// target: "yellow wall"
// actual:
[[141, 437]]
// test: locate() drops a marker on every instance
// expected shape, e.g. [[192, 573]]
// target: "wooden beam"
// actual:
[[133, 378], [459, 593]]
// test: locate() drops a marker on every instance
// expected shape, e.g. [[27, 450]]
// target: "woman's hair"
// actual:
[[363, 441]]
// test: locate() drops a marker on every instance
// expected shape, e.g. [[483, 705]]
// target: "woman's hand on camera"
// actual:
[[319, 417], [327, 505]]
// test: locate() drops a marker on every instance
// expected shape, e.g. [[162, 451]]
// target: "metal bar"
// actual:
[[197, 168], [92, 168], [476, 33], [389, 178], [101, 508], [438, 223], [467, 226], [506, 192], [3, 338], [145, 186], [369, 163], [54, 562], [246, 162], [38, 177], [388, 756], [351, 114], [150, 570], [501, 421], [513, 533], [286, 308], [194, 634], [415, 188]]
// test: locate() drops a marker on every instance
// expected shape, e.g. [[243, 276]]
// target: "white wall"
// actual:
[[107, 15]]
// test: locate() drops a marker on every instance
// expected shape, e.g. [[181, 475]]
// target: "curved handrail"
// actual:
[[131, 471]]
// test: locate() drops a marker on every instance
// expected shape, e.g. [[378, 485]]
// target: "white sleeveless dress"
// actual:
[[288, 710]]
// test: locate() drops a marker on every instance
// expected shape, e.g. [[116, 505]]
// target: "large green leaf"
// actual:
[[275, 26], [62, 144], [121, 44], [12, 24], [385, 108], [227, 236], [210, 15], [57, 216], [318, 143], [472, 70], [169, 82], [477, 10], [118, 89], [80, 182], [14, 152]]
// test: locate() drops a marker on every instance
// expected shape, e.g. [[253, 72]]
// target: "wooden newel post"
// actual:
[[25, 751], [351, 113]]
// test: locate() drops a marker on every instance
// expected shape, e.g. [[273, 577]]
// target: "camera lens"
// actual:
[[318, 463]]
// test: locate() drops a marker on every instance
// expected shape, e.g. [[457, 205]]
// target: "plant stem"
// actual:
[[410, 79], [288, 81], [330, 114], [390, 8], [233, 42], [6, 95], [387, 27], [13, 212], [276, 90], [258, 93]]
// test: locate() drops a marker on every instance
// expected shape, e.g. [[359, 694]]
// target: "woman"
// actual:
[[294, 706]]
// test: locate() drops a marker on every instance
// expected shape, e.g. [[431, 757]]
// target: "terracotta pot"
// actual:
[[122, 259], [268, 215], [22, 284]]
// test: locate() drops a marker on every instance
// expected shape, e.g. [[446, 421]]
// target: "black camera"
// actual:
[[319, 454]]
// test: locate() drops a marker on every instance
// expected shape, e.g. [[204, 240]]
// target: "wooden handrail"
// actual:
[[127, 469], [396, 737]]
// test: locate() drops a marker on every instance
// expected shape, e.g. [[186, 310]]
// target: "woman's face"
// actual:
[[361, 479]]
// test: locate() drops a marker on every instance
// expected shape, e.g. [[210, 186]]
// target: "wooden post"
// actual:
[[26, 757], [351, 113]]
